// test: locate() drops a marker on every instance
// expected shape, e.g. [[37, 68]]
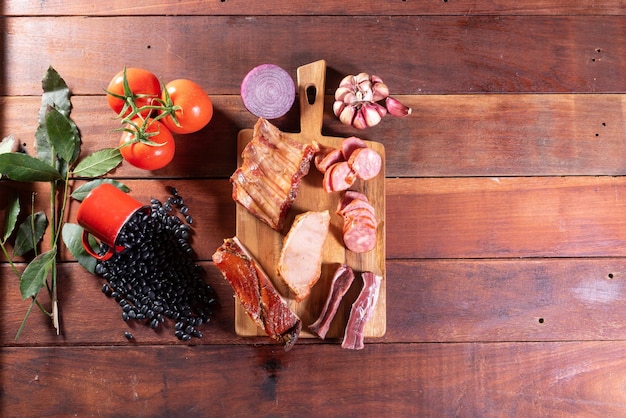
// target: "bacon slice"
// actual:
[[342, 279], [269, 178], [256, 293], [300, 262], [362, 310]]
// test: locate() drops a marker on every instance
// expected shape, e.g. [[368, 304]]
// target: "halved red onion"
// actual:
[[268, 91]]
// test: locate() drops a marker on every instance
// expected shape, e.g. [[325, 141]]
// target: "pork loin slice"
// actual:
[[300, 262], [361, 312], [342, 279], [268, 181], [257, 295]]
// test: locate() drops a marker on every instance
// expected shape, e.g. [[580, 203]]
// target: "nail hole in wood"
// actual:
[[541, 320], [311, 91], [610, 275], [598, 50]]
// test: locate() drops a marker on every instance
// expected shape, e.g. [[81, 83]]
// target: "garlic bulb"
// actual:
[[357, 97]]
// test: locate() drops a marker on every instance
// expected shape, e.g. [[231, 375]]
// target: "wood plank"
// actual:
[[322, 7], [457, 54], [434, 301], [506, 217], [473, 379], [453, 217], [445, 136]]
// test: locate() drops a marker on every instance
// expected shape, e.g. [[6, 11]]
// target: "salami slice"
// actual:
[[338, 177], [350, 144], [365, 162], [344, 208], [330, 158], [359, 234]]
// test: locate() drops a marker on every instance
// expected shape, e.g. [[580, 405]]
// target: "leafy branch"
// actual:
[[58, 145]]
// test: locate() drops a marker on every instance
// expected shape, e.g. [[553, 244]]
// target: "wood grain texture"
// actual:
[[323, 7], [458, 54], [431, 301], [445, 136], [504, 205], [516, 379], [506, 217]]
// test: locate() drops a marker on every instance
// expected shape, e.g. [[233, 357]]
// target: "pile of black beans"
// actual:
[[155, 277]]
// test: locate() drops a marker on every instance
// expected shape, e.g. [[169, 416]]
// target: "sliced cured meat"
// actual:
[[268, 181], [345, 206], [365, 162], [342, 279], [350, 144], [332, 157], [338, 177], [361, 312], [359, 222], [359, 234], [257, 295], [300, 262]]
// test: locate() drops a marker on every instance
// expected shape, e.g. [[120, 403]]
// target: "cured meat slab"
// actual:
[[265, 243]]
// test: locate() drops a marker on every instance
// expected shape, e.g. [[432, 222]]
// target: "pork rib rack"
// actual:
[[273, 165]]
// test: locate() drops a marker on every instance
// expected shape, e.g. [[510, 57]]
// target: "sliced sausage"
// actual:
[[365, 162], [350, 144], [328, 159], [338, 177]]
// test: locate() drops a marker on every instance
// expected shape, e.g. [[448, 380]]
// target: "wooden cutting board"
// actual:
[[265, 243]]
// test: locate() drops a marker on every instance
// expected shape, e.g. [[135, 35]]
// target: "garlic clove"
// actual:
[[338, 106], [380, 91], [341, 92], [376, 79], [396, 108], [382, 110], [359, 120], [371, 114], [347, 115], [361, 77], [347, 81]]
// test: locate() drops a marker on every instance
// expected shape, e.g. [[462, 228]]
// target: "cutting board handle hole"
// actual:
[[311, 93]]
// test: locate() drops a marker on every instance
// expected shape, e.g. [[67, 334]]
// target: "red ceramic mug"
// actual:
[[103, 214]]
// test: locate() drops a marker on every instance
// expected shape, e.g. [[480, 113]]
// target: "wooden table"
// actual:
[[506, 198]]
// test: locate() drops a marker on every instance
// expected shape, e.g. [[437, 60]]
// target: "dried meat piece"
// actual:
[[257, 294], [268, 181], [361, 312], [342, 279]]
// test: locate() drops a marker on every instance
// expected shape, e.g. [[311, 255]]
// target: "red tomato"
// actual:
[[146, 156], [143, 85], [196, 108]]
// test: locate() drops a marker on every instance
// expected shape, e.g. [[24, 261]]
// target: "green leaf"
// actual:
[[56, 94], [73, 239], [30, 233], [81, 192], [98, 163], [23, 167], [62, 134], [10, 218], [36, 272]]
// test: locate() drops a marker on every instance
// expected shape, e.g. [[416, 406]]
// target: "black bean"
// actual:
[[128, 335], [155, 275]]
